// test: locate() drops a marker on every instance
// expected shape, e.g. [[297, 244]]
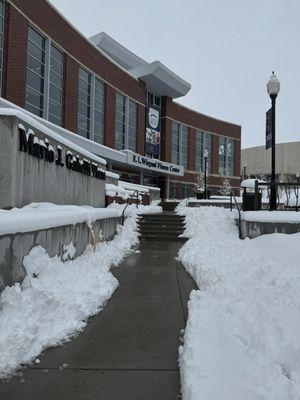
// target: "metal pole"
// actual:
[[273, 201], [205, 194]]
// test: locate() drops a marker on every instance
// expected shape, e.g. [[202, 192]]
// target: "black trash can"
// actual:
[[251, 201], [200, 195]]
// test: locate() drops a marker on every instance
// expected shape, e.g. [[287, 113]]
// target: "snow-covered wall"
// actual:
[[36, 165], [65, 239]]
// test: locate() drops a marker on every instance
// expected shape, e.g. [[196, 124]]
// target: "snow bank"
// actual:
[[37, 216], [133, 210], [242, 337], [272, 216], [55, 299]]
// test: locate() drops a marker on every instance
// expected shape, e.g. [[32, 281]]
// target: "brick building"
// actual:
[[108, 100]]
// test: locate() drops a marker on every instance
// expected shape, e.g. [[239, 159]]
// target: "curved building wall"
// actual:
[[78, 52]]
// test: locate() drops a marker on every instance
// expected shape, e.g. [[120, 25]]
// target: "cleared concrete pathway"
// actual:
[[129, 351]]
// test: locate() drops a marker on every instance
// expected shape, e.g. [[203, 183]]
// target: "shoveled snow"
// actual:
[[272, 216], [242, 337], [56, 298], [36, 216]]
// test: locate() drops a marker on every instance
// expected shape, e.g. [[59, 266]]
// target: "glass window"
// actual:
[[99, 112], [203, 142], [180, 144], [226, 156], [184, 146], [125, 123], [132, 126], [84, 104], [35, 73], [120, 122]]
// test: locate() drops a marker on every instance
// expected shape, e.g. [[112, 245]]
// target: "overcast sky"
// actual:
[[226, 49]]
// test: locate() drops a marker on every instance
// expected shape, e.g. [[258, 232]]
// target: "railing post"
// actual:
[[231, 201], [137, 199], [256, 195]]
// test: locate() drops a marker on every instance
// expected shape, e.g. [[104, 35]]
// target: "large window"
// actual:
[[84, 104], [180, 144], [99, 112], [44, 78], [203, 142], [35, 74], [125, 123], [226, 156], [1, 39], [55, 86], [90, 119]]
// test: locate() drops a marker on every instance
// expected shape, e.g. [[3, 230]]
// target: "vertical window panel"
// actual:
[[35, 84], [84, 104]]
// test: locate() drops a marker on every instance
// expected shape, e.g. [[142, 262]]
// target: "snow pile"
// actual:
[[133, 210], [292, 217], [55, 299], [36, 216], [242, 338]]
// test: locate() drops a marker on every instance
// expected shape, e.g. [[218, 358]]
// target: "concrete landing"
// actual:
[[129, 351]]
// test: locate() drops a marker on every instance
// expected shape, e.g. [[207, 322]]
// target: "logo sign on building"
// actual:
[[269, 129], [152, 130]]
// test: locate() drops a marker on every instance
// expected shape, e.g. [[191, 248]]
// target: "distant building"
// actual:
[[257, 161]]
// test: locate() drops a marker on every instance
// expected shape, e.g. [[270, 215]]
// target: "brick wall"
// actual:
[[14, 61], [56, 27]]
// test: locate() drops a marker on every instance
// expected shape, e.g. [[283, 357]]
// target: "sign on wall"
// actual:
[[153, 164], [269, 129], [152, 130]]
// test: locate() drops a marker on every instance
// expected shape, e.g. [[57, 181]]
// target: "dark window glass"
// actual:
[[35, 75], [84, 103], [55, 85]]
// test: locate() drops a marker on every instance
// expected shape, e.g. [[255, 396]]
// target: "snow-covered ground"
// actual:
[[56, 298], [242, 340]]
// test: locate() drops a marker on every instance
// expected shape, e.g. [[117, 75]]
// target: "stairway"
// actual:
[[166, 226]]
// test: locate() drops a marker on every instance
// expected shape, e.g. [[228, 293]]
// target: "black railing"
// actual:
[[289, 201], [128, 203], [232, 196]]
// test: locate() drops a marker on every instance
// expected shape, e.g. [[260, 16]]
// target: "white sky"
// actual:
[[226, 49]]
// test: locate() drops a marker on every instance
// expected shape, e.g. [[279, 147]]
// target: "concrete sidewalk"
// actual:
[[128, 351]]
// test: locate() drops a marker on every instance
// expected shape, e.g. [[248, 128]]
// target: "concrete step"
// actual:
[[160, 228], [169, 205], [162, 224], [165, 238]]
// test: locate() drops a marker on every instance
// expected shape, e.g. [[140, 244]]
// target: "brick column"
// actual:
[[71, 71], [237, 158], [214, 154], [166, 140], [140, 148], [110, 107], [15, 56], [192, 149]]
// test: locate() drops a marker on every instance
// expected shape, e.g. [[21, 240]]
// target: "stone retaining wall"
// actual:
[[13, 248]]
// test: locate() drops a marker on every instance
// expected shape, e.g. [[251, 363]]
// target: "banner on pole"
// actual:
[[269, 129]]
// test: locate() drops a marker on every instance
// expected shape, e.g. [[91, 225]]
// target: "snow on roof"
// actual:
[[140, 188], [25, 117], [112, 175]]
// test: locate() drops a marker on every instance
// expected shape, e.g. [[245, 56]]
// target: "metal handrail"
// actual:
[[137, 204], [232, 195]]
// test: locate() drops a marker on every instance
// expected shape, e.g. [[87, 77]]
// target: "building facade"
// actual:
[[111, 102], [256, 162]]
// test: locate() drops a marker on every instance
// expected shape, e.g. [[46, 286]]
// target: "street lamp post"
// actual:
[[205, 173], [273, 87]]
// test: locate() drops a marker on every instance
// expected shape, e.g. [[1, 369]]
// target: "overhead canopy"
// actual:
[[158, 78]]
